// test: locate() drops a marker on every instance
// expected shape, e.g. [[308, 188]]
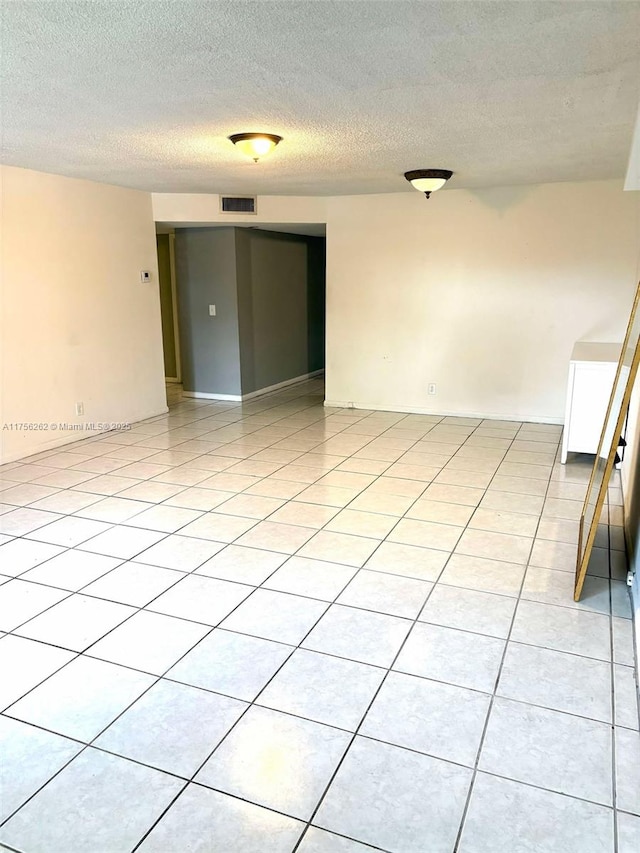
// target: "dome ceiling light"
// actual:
[[427, 181], [255, 145]]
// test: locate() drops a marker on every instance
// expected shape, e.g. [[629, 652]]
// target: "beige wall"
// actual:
[[632, 181], [483, 293], [77, 324], [195, 208]]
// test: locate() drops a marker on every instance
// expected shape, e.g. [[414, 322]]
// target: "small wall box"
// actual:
[[592, 370], [145, 276]]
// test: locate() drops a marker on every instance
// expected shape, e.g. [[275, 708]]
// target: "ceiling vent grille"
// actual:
[[238, 204]]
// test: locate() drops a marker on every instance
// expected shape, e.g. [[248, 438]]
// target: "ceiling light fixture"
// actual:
[[255, 145], [427, 181]]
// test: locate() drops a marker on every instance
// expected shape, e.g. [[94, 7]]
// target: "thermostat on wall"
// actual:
[[145, 276]]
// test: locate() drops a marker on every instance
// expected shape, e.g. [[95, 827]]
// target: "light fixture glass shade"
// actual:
[[428, 185], [255, 145], [428, 180]]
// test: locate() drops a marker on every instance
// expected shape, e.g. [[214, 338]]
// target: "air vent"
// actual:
[[238, 204]]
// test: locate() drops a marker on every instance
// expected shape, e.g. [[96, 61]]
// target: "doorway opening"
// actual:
[[243, 307], [165, 241]]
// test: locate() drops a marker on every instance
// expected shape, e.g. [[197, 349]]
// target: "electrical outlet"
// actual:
[[79, 408], [432, 388], [212, 310]]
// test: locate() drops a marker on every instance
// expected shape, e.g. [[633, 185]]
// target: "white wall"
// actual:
[[632, 181], [483, 293], [204, 208], [77, 324]]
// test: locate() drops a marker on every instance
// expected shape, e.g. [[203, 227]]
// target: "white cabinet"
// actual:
[[592, 370]]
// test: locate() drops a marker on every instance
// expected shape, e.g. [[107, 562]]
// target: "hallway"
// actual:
[[277, 627]]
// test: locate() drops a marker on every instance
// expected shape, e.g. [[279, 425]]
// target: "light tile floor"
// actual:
[[277, 627]]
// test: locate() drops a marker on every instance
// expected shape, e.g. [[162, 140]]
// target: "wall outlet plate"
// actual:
[[432, 388], [145, 276]]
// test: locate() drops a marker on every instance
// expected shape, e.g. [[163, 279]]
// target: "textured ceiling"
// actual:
[[144, 94]]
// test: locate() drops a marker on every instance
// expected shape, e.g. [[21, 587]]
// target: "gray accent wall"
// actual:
[[245, 308], [316, 301], [269, 289], [206, 275], [277, 284]]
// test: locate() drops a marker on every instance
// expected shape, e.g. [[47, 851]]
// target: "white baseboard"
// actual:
[[71, 438], [240, 398], [201, 395], [418, 410], [268, 390]]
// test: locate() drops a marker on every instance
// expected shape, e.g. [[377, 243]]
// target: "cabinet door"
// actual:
[[591, 390]]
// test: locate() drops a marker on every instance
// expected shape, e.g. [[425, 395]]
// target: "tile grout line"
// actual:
[[87, 745], [612, 671], [362, 719], [158, 678], [250, 705], [357, 569], [475, 771]]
